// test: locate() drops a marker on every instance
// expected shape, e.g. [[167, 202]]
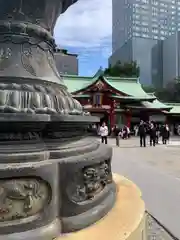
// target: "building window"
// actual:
[[155, 3], [136, 28], [145, 1], [145, 23], [154, 30], [145, 35], [145, 29], [154, 13], [135, 34]]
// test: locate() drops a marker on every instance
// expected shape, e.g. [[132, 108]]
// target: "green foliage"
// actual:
[[128, 69], [170, 93], [149, 89]]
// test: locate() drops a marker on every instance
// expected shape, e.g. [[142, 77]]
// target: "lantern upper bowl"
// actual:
[[40, 12]]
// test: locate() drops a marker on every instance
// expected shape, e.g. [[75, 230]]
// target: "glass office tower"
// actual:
[[137, 27]]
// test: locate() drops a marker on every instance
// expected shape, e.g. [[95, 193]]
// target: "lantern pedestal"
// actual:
[[125, 221]]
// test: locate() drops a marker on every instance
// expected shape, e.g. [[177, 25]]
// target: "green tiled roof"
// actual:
[[152, 105], [75, 83], [175, 108], [82, 96], [129, 86], [144, 98], [156, 104]]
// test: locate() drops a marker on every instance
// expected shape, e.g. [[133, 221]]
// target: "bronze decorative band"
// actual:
[[26, 30], [28, 98]]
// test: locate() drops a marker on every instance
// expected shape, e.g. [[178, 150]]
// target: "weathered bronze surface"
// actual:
[[21, 198], [51, 176], [29, 80]]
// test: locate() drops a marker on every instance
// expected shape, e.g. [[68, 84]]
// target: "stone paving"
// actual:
[[156, 231], [164, 157]]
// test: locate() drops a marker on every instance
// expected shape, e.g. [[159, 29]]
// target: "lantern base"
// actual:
[[125, 221]]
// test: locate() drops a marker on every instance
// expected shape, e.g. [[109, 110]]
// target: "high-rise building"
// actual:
[[66, 63], [137, 27], [171, 58]]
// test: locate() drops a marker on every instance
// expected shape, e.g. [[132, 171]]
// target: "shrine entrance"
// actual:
[[104, 117]]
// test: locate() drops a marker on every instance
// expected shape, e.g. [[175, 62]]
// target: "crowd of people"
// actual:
[[154, 131], [151, 129]]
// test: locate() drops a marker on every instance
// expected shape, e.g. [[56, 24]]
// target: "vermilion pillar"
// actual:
[[112, 114], [112, 118], [128, 118]]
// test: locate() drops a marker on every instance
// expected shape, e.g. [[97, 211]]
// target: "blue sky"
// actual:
[[86, 29]]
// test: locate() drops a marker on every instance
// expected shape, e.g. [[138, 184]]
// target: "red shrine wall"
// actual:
[[105, 99], [106, 103]]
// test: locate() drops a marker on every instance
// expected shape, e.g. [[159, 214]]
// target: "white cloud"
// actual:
[[87, 25]]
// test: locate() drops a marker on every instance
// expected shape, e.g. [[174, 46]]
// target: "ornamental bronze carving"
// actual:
[[90, 182], [28, 98], [5, 54], [21, 198], [96, 178]]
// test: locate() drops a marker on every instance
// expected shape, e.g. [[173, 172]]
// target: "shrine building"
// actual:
[[119, 100]]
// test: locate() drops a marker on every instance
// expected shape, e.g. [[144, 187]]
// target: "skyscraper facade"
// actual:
[[137, 27]]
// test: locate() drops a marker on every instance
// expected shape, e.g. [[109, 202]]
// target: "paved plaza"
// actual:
[[156, 170], [164, 157]]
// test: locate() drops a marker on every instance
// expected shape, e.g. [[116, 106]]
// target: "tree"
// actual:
[[170, 93], [149, 89], [127, 69]]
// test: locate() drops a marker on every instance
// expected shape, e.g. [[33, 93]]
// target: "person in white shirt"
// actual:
[[103, 131]]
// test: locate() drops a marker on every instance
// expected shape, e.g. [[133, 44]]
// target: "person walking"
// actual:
[[135, 130], [128, 132], [142, 134], [168, 132], [103, 131], [125, 133], [157, 133], [117, 131], [152, 135], [165, 134]]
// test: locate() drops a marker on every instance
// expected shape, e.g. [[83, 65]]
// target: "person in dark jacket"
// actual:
[[142, 133], [157, 133], [116, 131], [165, 134], [152, 134]]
